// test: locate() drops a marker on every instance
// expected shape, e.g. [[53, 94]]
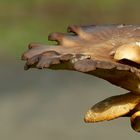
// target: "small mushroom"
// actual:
[[129, 52], [114, 107], [135, 121]]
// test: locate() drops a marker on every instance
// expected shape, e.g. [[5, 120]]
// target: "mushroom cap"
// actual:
[[129, 52], [114, 107], [88, 49], [135, 121]]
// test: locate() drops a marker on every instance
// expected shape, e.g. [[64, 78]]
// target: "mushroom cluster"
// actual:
[[110, 52]]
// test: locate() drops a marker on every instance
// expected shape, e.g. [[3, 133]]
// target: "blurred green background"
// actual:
[[50, 105]]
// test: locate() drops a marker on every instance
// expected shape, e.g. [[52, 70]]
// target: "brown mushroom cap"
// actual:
[[89, 49], [129, 51], [112, 107]]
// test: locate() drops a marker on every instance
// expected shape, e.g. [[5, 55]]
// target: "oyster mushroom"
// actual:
[[98, 51]]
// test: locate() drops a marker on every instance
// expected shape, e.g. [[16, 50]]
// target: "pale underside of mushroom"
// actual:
[[110, 52]]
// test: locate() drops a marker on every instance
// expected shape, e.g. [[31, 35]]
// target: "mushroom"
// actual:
[[129, 51], [88, 49], [135, 121]]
